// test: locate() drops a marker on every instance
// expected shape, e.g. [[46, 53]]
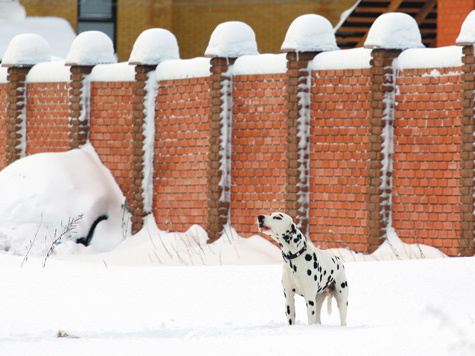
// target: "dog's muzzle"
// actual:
[[260, 222]]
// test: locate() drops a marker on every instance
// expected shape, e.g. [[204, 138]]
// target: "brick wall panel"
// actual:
[[426, 177], [338, 158], [181, 154], [258, 149], [111, 129], [47, 113]]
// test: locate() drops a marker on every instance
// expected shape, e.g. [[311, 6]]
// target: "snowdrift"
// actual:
[[43, 192]]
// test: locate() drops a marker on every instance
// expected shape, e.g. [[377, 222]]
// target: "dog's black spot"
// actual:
[[294, 229], [331, 272], [311, 303], [313, 312], [325, 272], [288, 309], [315, 278], [293, 290], [295, 268], [287, 237], [308, 257], [280, 244], [344, 284], [333, 260], [290, 321], [315, 265], [309, 272], [337, 267]]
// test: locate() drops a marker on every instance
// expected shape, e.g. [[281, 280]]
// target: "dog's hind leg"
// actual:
[[341, 297]]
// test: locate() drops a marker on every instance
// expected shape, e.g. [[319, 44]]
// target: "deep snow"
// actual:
[[417, 307]]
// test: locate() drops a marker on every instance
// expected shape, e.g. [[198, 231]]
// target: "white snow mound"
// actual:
[[27, 49], [310, 33], [42, 192], [231, 40], [154, 46], [467, 32], [91, 48], [394, 30]]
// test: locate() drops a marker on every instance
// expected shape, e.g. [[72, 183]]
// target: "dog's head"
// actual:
[[281, 228]]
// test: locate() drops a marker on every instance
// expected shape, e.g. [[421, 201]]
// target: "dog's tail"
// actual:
[[329, 303]]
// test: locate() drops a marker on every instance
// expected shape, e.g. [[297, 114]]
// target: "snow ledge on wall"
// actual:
[[357, 58], [442, 57], [261, 64], [118, 72], [49, 72], [183, 68]]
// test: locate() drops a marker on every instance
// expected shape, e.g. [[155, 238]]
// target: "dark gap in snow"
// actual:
[[87, 240]]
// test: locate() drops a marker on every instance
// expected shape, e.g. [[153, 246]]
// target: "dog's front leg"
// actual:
[[313, 317], [289, 293], [290, 305]]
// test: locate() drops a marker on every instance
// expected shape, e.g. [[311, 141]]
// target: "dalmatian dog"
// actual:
[[308, 271]]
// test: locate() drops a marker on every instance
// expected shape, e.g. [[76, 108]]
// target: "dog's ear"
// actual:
[[296, 236]]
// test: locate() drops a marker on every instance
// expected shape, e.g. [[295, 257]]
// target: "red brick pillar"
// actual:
[[219, 169], [16, 107], [298, 125], [140, 91], [79, 105], [380, 144], [467, 157]]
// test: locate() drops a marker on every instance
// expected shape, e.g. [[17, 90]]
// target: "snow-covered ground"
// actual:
[[413, 307]]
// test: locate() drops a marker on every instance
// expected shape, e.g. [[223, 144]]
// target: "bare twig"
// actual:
[[70, 226], [25, 259]]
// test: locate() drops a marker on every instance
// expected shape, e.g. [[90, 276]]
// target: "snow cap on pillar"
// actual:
[[467, 32], [154, 46], [26, 50], [394, 30], [232, 39], [91, 48], [310, 33]]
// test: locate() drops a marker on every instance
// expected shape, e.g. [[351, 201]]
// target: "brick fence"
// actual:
[[347, 152]]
